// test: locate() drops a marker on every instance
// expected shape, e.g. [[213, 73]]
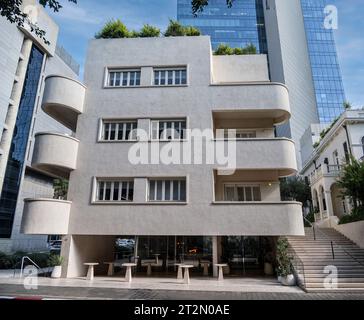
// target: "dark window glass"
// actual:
[[15, 164]]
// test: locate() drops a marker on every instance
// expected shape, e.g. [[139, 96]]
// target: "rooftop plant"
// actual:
[[175, 29], [117, 29], [224, 49]]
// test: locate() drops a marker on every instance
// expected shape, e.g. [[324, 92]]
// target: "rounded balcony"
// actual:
[[45, 216], [265, 100], [63, 99], [55, 154]]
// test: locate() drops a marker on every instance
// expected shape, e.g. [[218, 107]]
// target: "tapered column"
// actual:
[[215, 257]]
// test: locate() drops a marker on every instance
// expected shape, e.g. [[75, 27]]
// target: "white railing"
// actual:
[[325, 170]]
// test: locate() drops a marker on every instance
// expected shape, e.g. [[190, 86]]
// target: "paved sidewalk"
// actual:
[[83, 293], [165, 289], [264, 284]]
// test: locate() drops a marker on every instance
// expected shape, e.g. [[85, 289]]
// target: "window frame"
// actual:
[[166, 77], [245, 186], [117, 122], [112, 181], [173, 121], [171, 181], [121, 71]]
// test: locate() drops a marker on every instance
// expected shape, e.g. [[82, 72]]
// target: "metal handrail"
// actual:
[[332, 243], [22, 265]]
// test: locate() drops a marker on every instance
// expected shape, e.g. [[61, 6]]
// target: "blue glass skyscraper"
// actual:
[[245, 23], [326, 72], [238, 26]]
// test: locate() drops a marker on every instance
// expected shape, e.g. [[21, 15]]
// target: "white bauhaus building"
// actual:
[[324, 156], [120, 209]]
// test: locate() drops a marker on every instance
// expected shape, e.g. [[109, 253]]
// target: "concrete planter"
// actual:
[[289, 280], [57, 272]]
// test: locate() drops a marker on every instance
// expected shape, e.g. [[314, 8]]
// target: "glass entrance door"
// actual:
[[243, 254]]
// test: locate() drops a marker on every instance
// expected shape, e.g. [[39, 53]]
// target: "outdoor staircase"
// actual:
[[330, 248]]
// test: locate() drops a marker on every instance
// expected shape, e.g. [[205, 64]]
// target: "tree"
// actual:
[[113, 29], [175, 29], [352, 182], [12, 11], [192, 31], [295, 188], [149, 31], [347, 105], [224, 49], [199, 5], [60, 187]]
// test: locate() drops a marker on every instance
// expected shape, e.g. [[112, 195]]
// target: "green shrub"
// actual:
[[55, 260], [175, 29], [284, 260], [192, 31], [356, 215], [149, 31], [113, 29], [41, 259], [224, 50]]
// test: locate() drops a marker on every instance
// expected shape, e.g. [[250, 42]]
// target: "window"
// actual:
[[242, 193], [115, 190], [126, 78], [170, 77], [241, 134], [167, 190], [119, 130], [168, 129]]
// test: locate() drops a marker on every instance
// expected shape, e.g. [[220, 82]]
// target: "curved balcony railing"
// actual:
[[266, 154], [63, 99], [45, 216], [55, 154], [273, 100]]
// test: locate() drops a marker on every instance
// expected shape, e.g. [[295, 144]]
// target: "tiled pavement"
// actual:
[[11, 290]]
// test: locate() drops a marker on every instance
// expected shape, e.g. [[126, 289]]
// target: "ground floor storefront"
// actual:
[[159, 256]]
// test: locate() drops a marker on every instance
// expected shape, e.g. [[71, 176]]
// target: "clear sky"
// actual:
[[79, 23]]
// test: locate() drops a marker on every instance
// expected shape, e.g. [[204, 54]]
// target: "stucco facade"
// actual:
[[217, 93], [323, 166]]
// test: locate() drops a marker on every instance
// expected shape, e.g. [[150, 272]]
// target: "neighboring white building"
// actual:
[[25, 61], [172, 211], [323, 160]]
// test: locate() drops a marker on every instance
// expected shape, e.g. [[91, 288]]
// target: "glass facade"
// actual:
[[326, 72], [15, 165], [238, 26]]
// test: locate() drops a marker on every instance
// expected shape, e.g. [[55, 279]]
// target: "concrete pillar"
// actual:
[[215, 255], [329, 206]]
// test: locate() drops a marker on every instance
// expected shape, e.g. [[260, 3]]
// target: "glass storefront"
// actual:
[[244, 255], [163, 252]]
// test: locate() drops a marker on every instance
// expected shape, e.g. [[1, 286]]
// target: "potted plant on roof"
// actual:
[[56, 262], [284, 264]]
